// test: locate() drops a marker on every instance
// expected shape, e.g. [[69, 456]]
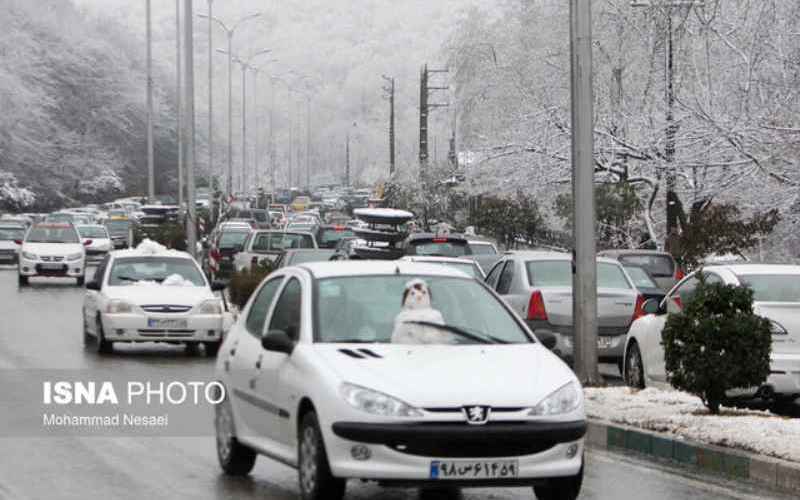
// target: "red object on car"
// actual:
[[638, 311]]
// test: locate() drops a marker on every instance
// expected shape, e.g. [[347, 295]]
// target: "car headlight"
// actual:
[[212, 306], [29, 256], [75, 256], [116, 306], [376, 403], [563, 400]]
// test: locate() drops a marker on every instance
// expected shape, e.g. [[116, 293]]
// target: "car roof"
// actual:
[[634, 251], [550, 255], [378, 267], [748, 268], [436, 258]]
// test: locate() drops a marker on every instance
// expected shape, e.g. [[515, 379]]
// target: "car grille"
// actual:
[[156, 333], [165, 308], [51, 258], [492, 447]]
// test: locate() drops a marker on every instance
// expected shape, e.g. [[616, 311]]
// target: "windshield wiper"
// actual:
[[483, 339], [126, 278]]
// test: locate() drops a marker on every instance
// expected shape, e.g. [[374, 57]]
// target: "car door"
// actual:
[[244, 355], [285, 317], [653, 356], [93, 301]]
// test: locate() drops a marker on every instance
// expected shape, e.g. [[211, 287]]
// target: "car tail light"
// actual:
[[638, 311], [338, 229], [536, 310], [439, 240], [678, 273]]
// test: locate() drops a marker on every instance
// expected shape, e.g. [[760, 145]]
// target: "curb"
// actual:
[[705, 458]]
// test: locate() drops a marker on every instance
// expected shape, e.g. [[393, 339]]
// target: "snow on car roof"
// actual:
[[344, 268], [150, 248], [383, 212], [740, 269]]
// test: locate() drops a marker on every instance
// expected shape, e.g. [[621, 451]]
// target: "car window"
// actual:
[[640, 277], [685, 291], [286, 316], [494, 274], [504, 284], [712, 278], [659, 265], [482, 249], [773, 287], [260, 307], [437, 248], [11, 233]]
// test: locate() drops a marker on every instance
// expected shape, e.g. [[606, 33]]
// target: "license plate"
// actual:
[[52, 266], [170, 324], [474, 469], [604, 342]]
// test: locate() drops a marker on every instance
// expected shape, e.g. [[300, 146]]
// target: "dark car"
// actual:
[[645, 283], [661, 265], [328, 235], [295, 257], [437, 245]]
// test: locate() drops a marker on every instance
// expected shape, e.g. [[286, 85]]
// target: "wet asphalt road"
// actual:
[[40, 328]]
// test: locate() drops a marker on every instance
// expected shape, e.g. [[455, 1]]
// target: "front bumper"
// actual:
[[131, 327], [68, 269], [404, 453]]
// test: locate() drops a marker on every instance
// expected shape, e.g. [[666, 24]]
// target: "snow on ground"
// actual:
[[684, 416]]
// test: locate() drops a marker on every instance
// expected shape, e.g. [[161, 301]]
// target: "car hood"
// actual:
[[444, 375], [146, 294], [52, 248]]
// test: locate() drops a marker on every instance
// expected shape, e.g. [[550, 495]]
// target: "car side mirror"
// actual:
[[547, 339], [218, 286], [93, 285], [651, 306], [277, 341], [18, 242], [87, 243]]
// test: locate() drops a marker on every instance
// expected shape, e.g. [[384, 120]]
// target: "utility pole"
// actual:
[[191, 228], [272, 134], [151, 182], [179, 92], [390, 94], [424, 109], [308, 142], [584, 266], [347, 161], [243, 178], [230, 111], [210, 97]]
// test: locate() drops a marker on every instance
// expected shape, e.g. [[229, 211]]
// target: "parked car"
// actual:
[[435, 244], [295, 256], [269, 245], [11, 236], [52, 250], [223, 245], [468, 266], [150, 294], [484, 253], [314, 380], [661, 265], [776, 296], [538, 286], [96, 240]]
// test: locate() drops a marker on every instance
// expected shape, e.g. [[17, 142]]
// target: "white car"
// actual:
[[53, 250], [151, 294], [313, 380], [11, 236], [96, 240], [776, 296]]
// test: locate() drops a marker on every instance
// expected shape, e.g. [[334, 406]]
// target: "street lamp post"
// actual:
[[151, 184], [179, 92], [230, 32]]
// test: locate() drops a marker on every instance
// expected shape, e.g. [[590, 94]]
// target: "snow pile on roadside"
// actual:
[[684, 416]]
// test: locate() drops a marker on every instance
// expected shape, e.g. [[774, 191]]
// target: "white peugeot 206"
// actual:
[[403, 373], [151, 294]]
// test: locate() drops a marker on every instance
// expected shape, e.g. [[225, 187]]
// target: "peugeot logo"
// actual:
[[477, 415]]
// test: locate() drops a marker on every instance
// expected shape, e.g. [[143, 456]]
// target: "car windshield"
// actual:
[[118, 226], [640, 277], [300, 227], [59, 218], [329, 236], [482, 249], [363, 309], [558, 273], [441, 249], [660, 266], [131, 270], [92, 232], [773, 287], [309, 256], [266, 242], [52, 234], [11, 233], [232, 238]]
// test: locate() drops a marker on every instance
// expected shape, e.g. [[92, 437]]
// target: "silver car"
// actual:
[[538, 286]]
